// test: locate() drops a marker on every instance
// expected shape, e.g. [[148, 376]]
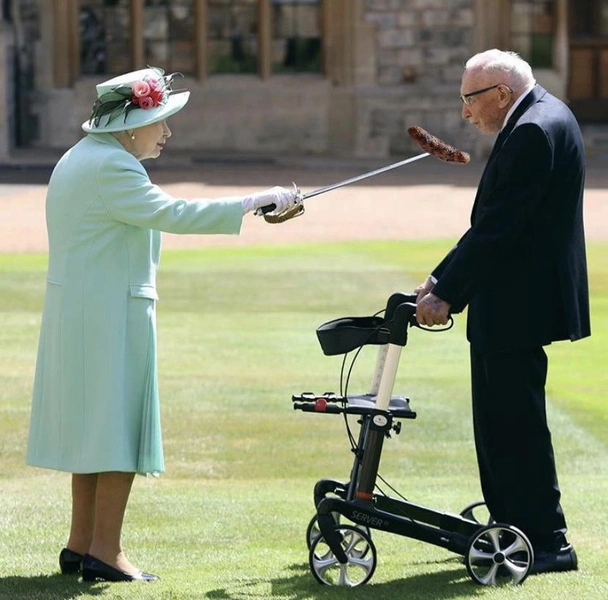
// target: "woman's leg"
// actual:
[[84, 491], [113, 489]]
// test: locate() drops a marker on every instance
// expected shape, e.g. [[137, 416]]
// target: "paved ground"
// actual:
[[425, 199]]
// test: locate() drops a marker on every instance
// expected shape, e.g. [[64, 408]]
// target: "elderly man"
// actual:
[[521, 270]]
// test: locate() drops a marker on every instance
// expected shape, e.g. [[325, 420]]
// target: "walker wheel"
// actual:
[[477, 512], [499, 554], [313, 531], [361, 558]]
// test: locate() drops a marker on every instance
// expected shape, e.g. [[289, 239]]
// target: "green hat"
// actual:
[[134, 100]]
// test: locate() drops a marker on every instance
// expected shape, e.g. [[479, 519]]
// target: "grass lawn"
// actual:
[[228, 519]]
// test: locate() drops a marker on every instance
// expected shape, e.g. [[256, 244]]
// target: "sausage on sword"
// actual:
[[437, 148]]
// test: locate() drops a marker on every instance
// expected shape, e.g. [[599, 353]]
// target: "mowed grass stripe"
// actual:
[[236, 339]]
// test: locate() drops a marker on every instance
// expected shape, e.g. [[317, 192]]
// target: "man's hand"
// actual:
[[424, 288], [432, 310]]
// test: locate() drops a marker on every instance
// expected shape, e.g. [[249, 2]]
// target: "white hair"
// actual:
[[513, 70]]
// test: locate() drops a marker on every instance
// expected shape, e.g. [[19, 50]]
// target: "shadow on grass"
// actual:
[[443, 584], [41, 587]]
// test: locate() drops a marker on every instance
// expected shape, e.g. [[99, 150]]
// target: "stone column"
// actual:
[[492, 18], [349, 47]]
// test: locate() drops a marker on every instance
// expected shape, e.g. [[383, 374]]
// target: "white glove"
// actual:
[[281, 197]]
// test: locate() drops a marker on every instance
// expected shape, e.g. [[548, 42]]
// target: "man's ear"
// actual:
[[504, 96]]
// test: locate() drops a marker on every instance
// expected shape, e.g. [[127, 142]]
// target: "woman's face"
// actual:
[[148, 141]]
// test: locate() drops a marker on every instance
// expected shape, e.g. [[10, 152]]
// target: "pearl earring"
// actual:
[[132, 136]]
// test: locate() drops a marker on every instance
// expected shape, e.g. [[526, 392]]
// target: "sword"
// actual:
[[335, 186], [298, 209], [429, 143]]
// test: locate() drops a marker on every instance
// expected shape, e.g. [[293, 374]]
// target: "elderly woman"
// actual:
[[95, 410]]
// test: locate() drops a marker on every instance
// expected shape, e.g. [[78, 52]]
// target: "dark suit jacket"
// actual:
[[521, 267]]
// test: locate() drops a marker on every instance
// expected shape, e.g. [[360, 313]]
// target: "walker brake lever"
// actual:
[[449, 326]]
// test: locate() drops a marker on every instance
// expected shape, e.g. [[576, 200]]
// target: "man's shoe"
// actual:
[[69, 562], [94, 569], [555, 562]]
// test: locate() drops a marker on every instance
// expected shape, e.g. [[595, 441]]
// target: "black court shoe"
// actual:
[[94, 569], [69, 562]]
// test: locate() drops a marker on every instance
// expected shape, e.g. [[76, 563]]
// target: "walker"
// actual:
[[344, 554]]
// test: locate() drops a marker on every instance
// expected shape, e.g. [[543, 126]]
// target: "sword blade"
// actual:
[[340, 184]]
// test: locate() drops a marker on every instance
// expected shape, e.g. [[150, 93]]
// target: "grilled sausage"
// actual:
[[429, 143]]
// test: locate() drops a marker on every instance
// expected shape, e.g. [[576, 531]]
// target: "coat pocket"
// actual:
[[143, 290]]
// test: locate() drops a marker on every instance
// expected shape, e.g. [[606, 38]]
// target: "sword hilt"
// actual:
[[291, 213]]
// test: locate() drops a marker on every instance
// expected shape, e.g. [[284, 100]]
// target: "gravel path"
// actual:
[[427, 199]]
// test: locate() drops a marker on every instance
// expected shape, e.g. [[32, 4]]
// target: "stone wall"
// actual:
[[421, 47], [414, 52], [392, 64], [284, 115]]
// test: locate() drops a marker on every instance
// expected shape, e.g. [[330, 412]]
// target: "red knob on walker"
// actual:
[[320, 404]]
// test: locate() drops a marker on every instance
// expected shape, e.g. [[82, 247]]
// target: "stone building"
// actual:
[[292, 77]]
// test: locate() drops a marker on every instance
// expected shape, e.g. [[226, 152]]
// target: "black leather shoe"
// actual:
[[554, 562], [94, 569], [69, 562]]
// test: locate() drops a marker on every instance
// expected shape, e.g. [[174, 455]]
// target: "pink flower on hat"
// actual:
[[157, 95], [140, 89], [147, 94], [155, 85], [145, 102]]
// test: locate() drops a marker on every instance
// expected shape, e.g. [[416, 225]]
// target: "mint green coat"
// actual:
[[95, 403]]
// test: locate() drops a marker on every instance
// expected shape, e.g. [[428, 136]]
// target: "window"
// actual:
[[533, 24], [589, 18], [200, 37], [296, 40], [232, 34], [105, 45], [6, 10], [168, 32]]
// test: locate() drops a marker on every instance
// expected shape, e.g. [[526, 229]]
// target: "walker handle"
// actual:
[[405, 316], [395, 300]]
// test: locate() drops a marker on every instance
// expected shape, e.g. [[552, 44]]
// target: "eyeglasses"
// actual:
[[465, 97]]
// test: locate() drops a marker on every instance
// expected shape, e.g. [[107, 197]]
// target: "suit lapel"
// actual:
[[531, 98]]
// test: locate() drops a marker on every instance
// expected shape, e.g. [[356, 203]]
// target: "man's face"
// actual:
[[485, 110]]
